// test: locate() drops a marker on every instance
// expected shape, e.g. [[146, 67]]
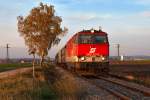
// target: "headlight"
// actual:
[[82, 58], [76, 58], [103, 58]]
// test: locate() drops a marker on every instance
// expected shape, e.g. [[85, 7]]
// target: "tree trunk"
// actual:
[[33, 64], [42, 60]]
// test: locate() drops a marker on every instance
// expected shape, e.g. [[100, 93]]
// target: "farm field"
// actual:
[[11, 66], [138, 71]]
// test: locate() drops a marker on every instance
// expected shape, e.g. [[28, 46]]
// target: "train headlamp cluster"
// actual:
[[82, 58], [103, 58], [76, 58], [91, 58]]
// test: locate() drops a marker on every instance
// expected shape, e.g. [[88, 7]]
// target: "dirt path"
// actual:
[[14, 72]]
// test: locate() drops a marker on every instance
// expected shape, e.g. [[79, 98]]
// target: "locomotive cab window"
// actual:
[[91, 39], [85, 39]]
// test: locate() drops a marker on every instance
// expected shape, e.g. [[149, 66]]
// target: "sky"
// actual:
[[127, 22]]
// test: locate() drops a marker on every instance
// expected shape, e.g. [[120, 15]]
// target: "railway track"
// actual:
[[122, 89]]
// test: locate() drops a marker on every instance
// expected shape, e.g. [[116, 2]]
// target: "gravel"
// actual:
[[87, 90]]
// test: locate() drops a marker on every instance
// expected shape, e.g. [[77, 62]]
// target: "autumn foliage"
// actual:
[[40, 29]]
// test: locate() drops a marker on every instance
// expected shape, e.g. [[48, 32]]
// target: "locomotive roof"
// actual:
[[89, 32], [92, 32]]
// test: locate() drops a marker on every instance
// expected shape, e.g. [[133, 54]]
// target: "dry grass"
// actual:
[[68, 88], [22, 87], [142, 79]]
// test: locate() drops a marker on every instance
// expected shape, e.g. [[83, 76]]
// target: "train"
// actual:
[[86, 52]]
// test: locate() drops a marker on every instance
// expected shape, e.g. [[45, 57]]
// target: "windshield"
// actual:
[[85, 39], [100, 39], [91, 39]]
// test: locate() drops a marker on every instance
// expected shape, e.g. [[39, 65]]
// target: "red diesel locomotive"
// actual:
[[86, 51]]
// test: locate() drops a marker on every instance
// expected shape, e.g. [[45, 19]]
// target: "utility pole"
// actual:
[[118, 50], [7, 51]]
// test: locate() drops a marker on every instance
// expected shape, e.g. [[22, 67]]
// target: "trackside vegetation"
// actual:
[[23, 87]]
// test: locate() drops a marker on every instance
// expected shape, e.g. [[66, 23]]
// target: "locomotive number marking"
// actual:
[[92, 50]]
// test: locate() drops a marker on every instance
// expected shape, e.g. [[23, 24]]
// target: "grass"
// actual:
[[11, 66], [143, 79], [22, 87], [131, 62], [58, 86], [64, 84]]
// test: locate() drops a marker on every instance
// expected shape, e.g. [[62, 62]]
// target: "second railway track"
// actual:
[[122, 89]]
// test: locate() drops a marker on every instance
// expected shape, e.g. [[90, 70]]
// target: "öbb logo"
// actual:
[[92, 50]]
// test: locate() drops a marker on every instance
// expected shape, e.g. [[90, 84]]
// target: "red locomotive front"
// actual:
[[87, 50]]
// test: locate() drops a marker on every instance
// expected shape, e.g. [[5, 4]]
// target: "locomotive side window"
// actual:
[[76, 40]]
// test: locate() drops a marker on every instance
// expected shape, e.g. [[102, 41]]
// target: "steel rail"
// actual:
[[129, 85], [111, 91]]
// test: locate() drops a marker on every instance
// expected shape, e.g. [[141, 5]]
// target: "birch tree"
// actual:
[[40, 29]]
